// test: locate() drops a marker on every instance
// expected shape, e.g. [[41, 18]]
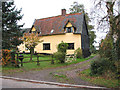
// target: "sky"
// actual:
[[38, 9]]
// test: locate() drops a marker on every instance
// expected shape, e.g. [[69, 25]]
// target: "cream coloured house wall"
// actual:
[[69, 24], [33, 29], [54, 40]]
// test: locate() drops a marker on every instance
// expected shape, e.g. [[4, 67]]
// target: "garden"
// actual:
[[45, 61]]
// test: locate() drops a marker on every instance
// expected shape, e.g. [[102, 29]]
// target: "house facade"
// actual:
[[69, 28]]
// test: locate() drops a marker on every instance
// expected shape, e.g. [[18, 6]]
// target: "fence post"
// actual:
[[17, 57], [52, 62], [38, 60], [17, 60], [21, 63]]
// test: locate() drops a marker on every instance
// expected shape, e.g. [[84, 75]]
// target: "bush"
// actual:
[[23, 52], [8, 57], [92, 49], [101, 66], [5, 57], [78, 53], [117, 65], [109, 62], [62, 47], [59, 56], [106, 48]]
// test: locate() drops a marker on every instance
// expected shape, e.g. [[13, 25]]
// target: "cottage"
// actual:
[[69, 28]]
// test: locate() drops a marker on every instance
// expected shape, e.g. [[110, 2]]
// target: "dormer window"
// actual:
[[69, 29], [33, 31]]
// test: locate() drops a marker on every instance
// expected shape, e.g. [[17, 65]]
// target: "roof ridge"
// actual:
[[59, 16]]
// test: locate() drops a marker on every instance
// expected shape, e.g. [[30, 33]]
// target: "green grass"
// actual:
[[43, 65], [99, 80], [60, 78], [34, 57]]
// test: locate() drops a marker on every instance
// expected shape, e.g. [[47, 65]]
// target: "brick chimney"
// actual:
[[63, 12]]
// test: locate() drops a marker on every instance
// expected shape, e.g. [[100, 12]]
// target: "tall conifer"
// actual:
[[11, 31]]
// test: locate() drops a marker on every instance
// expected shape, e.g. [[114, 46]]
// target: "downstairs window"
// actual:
[[70, 46], [46, 46]]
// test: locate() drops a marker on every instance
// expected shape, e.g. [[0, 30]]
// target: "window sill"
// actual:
[[70, 49], [45, 50]]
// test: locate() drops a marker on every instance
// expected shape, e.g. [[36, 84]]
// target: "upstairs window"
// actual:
[[33, 31], [71, 46], [69, 29], [46, 46]]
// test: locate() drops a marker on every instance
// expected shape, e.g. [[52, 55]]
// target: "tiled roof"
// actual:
[[57, 23]]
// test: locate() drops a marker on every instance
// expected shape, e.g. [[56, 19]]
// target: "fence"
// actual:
[[21, 57]]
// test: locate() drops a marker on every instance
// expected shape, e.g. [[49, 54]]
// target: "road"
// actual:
[[7, 83]]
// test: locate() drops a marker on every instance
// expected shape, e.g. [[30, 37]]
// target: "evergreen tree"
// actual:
[[11, 32]]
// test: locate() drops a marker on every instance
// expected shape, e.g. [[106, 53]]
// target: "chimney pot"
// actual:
[[63, 12]]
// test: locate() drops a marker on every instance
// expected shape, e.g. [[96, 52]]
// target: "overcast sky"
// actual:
[[37, 9]]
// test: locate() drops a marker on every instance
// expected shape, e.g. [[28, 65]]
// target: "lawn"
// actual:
[[43, 65], [99, 80], [34, 57]]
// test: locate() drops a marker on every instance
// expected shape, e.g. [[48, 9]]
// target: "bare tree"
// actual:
[[108, 19], [102, 12]]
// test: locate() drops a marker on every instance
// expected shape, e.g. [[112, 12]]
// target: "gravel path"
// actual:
[[48, 74]]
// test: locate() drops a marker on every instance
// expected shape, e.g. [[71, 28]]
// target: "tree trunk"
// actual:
[[31, 52]]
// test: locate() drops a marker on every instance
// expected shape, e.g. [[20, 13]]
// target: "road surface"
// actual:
[[8, 83]]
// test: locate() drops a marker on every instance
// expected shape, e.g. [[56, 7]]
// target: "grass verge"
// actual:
[[99, 80], [60, 77]]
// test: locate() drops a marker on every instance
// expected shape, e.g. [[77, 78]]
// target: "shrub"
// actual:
[[106, 48], [23, 52], [108, 63], [8, 57], [92, 49], [117, 65], [78, 53], [101, 66], [59, 56], [98, 67], [62, 47]]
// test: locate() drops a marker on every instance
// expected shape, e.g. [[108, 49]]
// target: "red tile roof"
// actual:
[[57, 23]]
